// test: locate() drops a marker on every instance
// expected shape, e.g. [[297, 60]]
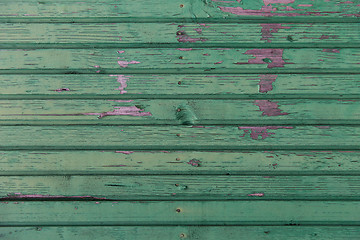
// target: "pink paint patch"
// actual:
[[261, 131], [267, 2], [125, 152], [269, 28], [204, 25], [122, 79], [256, 195], [272, 57], [184, 49], [331, 50], [62, 89], [97, 66], [126, 63], [198, 30], [305, 5], [266, 81], [269, 108], [120, 51], [194, 162], [219, 62], [183, 37]]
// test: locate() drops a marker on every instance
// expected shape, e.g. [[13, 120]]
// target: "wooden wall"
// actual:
[[186, 119]]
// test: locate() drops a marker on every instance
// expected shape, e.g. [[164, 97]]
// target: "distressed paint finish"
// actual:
[[128, 138], [18, 188], [209, 86], [141, 34], [187, 232], [167, 60], [266, 163], [291, 111], [42, 213], [164, 9]]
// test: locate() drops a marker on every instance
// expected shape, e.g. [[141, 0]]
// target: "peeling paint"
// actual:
[[122, 79], [194, 162], [261, 131], [331, 50], [266, 81], [269, 28], [125, 152], [122, 111], [62, 89], [185, 49], [269, 108], [126, 63], [256, 195], [271, 57]]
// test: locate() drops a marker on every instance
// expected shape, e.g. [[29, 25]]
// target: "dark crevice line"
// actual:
[[238, 19]]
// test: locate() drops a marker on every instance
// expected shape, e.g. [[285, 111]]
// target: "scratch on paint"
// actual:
[[256, 195], [271, 57], [122, 111], [261, 131], [122, 79], [269, 28], [266, 81], [269, 108]]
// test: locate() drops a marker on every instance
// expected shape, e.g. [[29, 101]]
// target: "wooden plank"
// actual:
[[266, 163], [99, 213], [164, 60], [306, 35], [175, 112], [128, 138], [233, 9], [182, 232], [176, 187], [135, 86]]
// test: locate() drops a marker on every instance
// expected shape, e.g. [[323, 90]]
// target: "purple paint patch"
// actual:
[[331, 50], [272, 57], [194, 162], [61, 89], [269, 108], [126, 63], [261, 131], [122, 79], [266, 81], [269, 28]]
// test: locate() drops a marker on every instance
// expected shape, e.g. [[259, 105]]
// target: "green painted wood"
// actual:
[[100, 213], [182, 232], [164, 60], [159, 86], [129, 138], [132, 35], [265, 163], [174, 187], [47, 10], [175, 112]]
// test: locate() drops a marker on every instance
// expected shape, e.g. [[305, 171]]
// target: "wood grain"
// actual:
[[182, 232], [157, 10], [164, 60], [173, 86], [101, 213], [128, 138], [179, 34]]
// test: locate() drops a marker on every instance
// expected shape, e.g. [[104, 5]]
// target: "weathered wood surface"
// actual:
[[182, 232], [127, 138], [159, 86], [132, 35], [175, 112], [167, 60], [173, 187], [73, 10], [264, 163], [40, 213]]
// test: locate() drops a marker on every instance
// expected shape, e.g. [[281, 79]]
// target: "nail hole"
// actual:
[[177, 159], [179, 109], [181, 57], [178, 210], [179, 82], [177, 184], [178, 134], [182, 235], [181, 5]]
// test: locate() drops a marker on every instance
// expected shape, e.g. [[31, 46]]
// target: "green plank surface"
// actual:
[[177, 112], [165, 60], [52, 213], [233, 9], [182, 232], [179, 34], [194, 86], [149, 137], [263, 163], [173, 187]]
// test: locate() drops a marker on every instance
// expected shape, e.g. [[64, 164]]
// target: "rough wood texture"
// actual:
[[159, 86], [265, 163], [127, 138], [67, 10], [167, 60], [182, 232], [171, 34], [40, 213]]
